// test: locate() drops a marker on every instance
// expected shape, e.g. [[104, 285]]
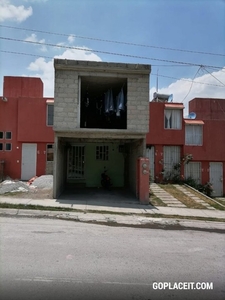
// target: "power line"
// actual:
[[213, 76], [114, 41], [164, 76], [198, 82], [104, 52], [191, 84]]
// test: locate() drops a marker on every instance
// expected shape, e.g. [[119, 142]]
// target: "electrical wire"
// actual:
[[213, 76], [104, 52], [113, 41], [152, 74], [191, 84]]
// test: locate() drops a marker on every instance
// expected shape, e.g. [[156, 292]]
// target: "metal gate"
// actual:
[[216, 177], [75, 163], [171, 157], [150, 154]]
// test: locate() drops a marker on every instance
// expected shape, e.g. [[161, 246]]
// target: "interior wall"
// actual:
[[94, 167]]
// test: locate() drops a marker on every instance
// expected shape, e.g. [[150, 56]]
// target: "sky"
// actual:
[[183, 41]]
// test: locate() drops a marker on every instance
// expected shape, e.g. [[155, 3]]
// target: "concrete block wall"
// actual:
[[138, 103], [66, 104]]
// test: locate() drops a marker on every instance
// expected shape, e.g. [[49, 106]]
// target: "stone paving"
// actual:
[[168, 199], [193, 196]]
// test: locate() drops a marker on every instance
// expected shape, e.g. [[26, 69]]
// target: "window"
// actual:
[[103, 102], [193, 170], [102, 152], [8, 146], [1, 134], [50, 152], [172, 118], [193, 135], [50, 114], [8, 135], [1, 146]]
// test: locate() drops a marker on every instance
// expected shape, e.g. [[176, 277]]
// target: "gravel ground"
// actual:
[[43, 182], [40, 188]]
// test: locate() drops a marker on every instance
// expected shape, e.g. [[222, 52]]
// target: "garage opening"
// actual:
[[103, 102]]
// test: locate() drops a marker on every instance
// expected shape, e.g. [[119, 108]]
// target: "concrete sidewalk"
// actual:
[[132, 214]]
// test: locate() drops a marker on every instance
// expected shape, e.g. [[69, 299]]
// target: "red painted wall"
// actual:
[[24, 115], [157, 133], [22, 87], [32, 121]]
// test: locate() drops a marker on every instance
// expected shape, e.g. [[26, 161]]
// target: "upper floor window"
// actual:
[[1, 134], [193, 135], [103, 102], [50, 114], [172, 118]]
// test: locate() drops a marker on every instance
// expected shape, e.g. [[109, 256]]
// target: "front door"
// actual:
[[29, 161], [216, 177]]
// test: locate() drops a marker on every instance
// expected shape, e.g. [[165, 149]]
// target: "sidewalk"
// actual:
[[109, 213]]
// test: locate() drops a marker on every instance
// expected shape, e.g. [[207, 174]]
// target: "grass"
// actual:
[[207, 200], [155, 201], [189, 202]]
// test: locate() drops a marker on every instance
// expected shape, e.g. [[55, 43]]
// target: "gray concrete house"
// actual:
[[101, 117]]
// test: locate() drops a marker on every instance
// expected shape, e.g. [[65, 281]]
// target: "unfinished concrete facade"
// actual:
[[91, 136]]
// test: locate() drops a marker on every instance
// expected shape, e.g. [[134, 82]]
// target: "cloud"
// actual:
[[36, 1], [184, 91], [45, 69], [71, 39], [10, 12], [33, 38]]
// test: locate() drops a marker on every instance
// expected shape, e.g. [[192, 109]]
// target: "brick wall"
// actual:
[[66, 105]]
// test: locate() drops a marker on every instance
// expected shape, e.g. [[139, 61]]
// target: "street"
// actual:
[[56, 259]]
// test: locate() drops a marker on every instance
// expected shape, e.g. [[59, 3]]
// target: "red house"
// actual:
[[199, 138], [26, 135]]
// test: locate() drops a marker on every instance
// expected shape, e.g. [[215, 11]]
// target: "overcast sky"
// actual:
[[184, 41]]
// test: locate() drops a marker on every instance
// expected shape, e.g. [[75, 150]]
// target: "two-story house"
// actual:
[[26, 134], [101, 118], [199, 139]]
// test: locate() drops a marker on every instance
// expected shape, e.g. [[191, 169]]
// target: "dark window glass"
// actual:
[[50, 115], [8, 146], [8, 135]]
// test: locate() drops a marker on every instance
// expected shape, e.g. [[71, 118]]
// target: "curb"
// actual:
[[133, 221]]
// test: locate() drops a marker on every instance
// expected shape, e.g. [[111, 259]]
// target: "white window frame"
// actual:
[[192, 137], [6, 135], [10, 146], [173, 119]]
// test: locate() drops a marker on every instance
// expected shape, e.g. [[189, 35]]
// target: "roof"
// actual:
[[193, 122], [101, 66], [174, 105]]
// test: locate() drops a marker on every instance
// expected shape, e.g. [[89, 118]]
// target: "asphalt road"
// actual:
[[55, 259]]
